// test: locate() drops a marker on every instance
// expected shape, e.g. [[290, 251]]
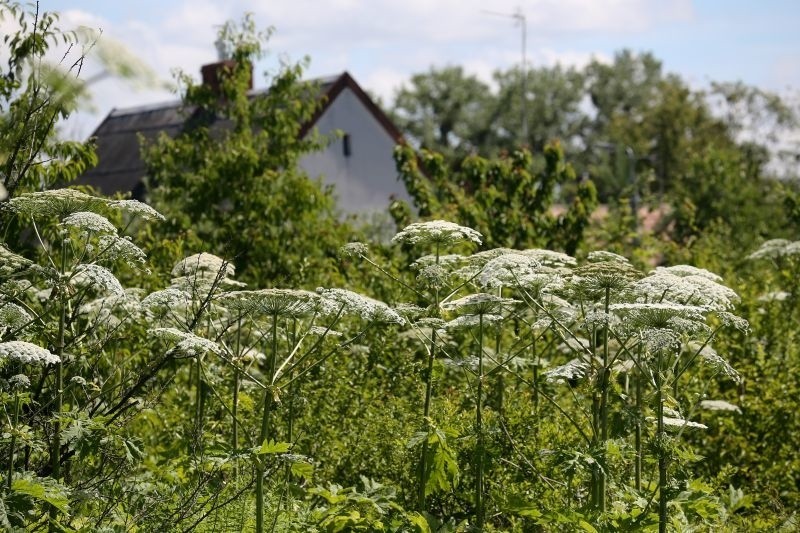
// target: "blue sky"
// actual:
[[383, 42]]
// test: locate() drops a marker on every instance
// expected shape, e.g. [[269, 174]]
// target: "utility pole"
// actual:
[[519, 18]]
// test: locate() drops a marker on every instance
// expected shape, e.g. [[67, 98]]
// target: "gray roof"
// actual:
[[120, 167]]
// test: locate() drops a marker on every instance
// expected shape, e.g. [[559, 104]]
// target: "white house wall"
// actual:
[[366, 179]]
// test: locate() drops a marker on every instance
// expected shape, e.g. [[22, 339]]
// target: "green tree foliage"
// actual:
[[230, 181], [507, 199], [35, 93], [445, 110]]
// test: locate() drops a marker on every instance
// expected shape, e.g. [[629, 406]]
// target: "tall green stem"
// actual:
[[604, 386], [479, 504], [426, 408], [55, 451], [235, 406], [13, 442], [268, 400], [638, 436], [662, 452]]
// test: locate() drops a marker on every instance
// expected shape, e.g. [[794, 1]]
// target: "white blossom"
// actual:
[[689, 270], [97, 277], [115, 248], [186, 343], [719, 405], [681, 423], [473, 321], [11, 262], [137, 208], [354, 249], [550, 258], [436, 232], [202, 264], [12, 316], [602, 256], [574, 369], [478, 303], [358, 304], [776, 248], [89, 222], [508, 270], [28, 353], [59, 202], [19, 382]]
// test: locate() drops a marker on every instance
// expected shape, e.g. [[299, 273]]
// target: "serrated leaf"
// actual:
[[303, 470], [46, 490], [272, 447]]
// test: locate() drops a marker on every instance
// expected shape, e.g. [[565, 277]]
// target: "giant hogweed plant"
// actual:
[[631, 342], [58, 320], [267, 340]]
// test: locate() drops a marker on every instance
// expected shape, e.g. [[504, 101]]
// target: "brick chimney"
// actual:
[[213, 72]]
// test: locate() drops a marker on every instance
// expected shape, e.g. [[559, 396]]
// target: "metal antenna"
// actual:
[[519, 18]]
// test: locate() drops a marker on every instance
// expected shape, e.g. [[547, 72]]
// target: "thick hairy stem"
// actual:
[[604, 386], [426, 408], [268, 400], [235, 406], [479, 504], [662, 452], [638, 436], [13, 442], [55, 451]]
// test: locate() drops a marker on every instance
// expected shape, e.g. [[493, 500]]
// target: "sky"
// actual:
[[383, 43]]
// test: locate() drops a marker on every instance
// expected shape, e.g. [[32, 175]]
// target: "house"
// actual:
[[358, 163]]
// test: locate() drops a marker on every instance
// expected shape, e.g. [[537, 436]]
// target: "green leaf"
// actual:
[[44, 489], [303, 470], [419, 523], [271, 447], [586, 526]]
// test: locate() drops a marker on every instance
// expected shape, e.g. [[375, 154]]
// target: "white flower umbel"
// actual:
[[719, 405], [438, 232], [27, 353], [282, 302], [98, 278], [507, 270], [136, 208], [478, 304], [354, 249], [89, 222], [657, 315], [363, 306], [185, 343], [11, 262], [550, 258], [59, 202], [575, 369], [710, 356], [689, 270], [165, 300], [473, 321], [602, 256], [776, 248], [12, 316], [446, 261], [202, 264], [670, 421], [665, 286], [112, 248]]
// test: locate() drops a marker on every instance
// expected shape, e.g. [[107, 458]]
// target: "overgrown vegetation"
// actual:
[[515, 376]]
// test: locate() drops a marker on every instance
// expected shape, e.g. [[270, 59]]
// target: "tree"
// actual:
[[230, 183], [506, 199], [553, 107], [34, 95], [444, 110]]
